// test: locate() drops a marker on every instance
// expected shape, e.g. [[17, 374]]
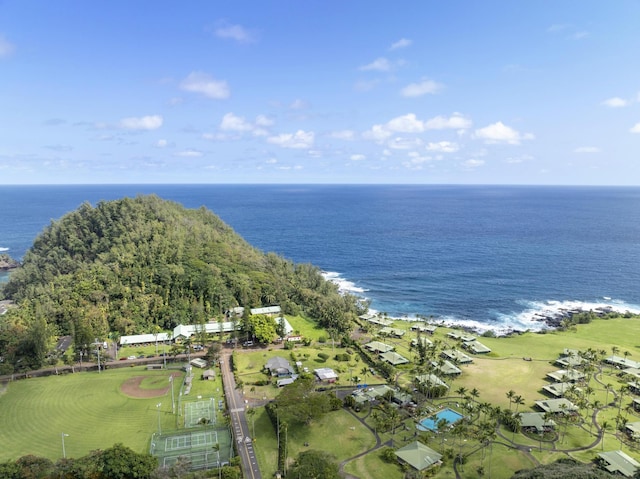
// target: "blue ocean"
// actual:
[[490, 257]]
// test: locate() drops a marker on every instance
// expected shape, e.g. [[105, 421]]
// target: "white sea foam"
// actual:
[[344, 285], [4, 249], [533, 317]]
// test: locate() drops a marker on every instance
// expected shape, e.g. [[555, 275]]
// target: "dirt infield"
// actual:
[[131, 387]]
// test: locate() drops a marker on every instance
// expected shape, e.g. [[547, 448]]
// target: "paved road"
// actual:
[[239, 423]]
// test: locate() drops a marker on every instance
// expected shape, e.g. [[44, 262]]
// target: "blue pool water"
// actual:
[[429, 423]]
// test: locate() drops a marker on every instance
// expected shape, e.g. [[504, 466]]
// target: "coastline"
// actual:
[[535, 316]]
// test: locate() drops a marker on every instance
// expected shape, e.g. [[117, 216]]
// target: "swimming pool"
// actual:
[[430, 423]]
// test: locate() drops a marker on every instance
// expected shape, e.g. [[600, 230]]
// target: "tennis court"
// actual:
[[194, 439], [203, 449], [197, 413]]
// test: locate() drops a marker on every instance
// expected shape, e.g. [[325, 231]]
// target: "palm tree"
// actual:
[[461, 391], [518, 401], [364, 371], [623, 389], [608, 387], [510, 395], [605, 426]]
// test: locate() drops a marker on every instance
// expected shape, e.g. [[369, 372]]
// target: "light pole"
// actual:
[[64, 452], [97, 345], [173, 401], [159, 427]]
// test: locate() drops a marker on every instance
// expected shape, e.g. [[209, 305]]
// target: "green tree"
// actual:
[[313, 464], [300, 402], [261, 327], [120, 462]]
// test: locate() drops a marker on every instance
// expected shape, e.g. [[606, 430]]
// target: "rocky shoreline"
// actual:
[[7, 263], [558, 319]]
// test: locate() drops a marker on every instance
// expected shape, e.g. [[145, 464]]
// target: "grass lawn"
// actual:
[[372, 466], [495, 377], [337, 433], [265, 444], [89, 407]]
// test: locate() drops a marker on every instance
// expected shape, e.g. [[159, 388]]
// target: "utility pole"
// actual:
[[64, 452], [159, 426]]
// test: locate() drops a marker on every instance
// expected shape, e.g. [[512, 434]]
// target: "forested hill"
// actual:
[[144, 264]]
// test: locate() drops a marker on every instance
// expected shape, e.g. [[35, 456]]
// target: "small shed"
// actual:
[[326, 374], [199, 363], [209, 375]]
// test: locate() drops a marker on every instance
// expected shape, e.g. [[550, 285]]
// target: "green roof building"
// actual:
[[618, 462], [419, 456]]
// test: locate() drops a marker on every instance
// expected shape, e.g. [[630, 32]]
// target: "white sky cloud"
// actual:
[[404, 143], [443, 147], [456, 121], [264, 121], [379, 64], [473, 163], [238, 124], [615, 102], [235, 32], [635, 128], [377, 133], [419, 89], [299, 104], [410, 123], [402, 43], [500, 133], [198, 82], [587, 149], [231, 122], [6, 48], [151, 122], [343, 135], [189, 153], [406, 124], [357, 157], [300, 139]]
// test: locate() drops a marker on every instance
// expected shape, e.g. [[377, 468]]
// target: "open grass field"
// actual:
[[90, 407], [337, 433]]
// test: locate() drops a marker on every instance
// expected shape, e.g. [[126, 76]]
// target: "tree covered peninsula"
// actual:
[[145, 264]]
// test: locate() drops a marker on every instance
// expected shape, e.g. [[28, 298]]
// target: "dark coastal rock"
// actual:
[[7, 263]]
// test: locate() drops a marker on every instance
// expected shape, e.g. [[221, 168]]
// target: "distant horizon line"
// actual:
[[544, 185]]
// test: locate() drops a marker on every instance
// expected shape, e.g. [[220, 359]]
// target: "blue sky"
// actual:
[[457, 92]]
